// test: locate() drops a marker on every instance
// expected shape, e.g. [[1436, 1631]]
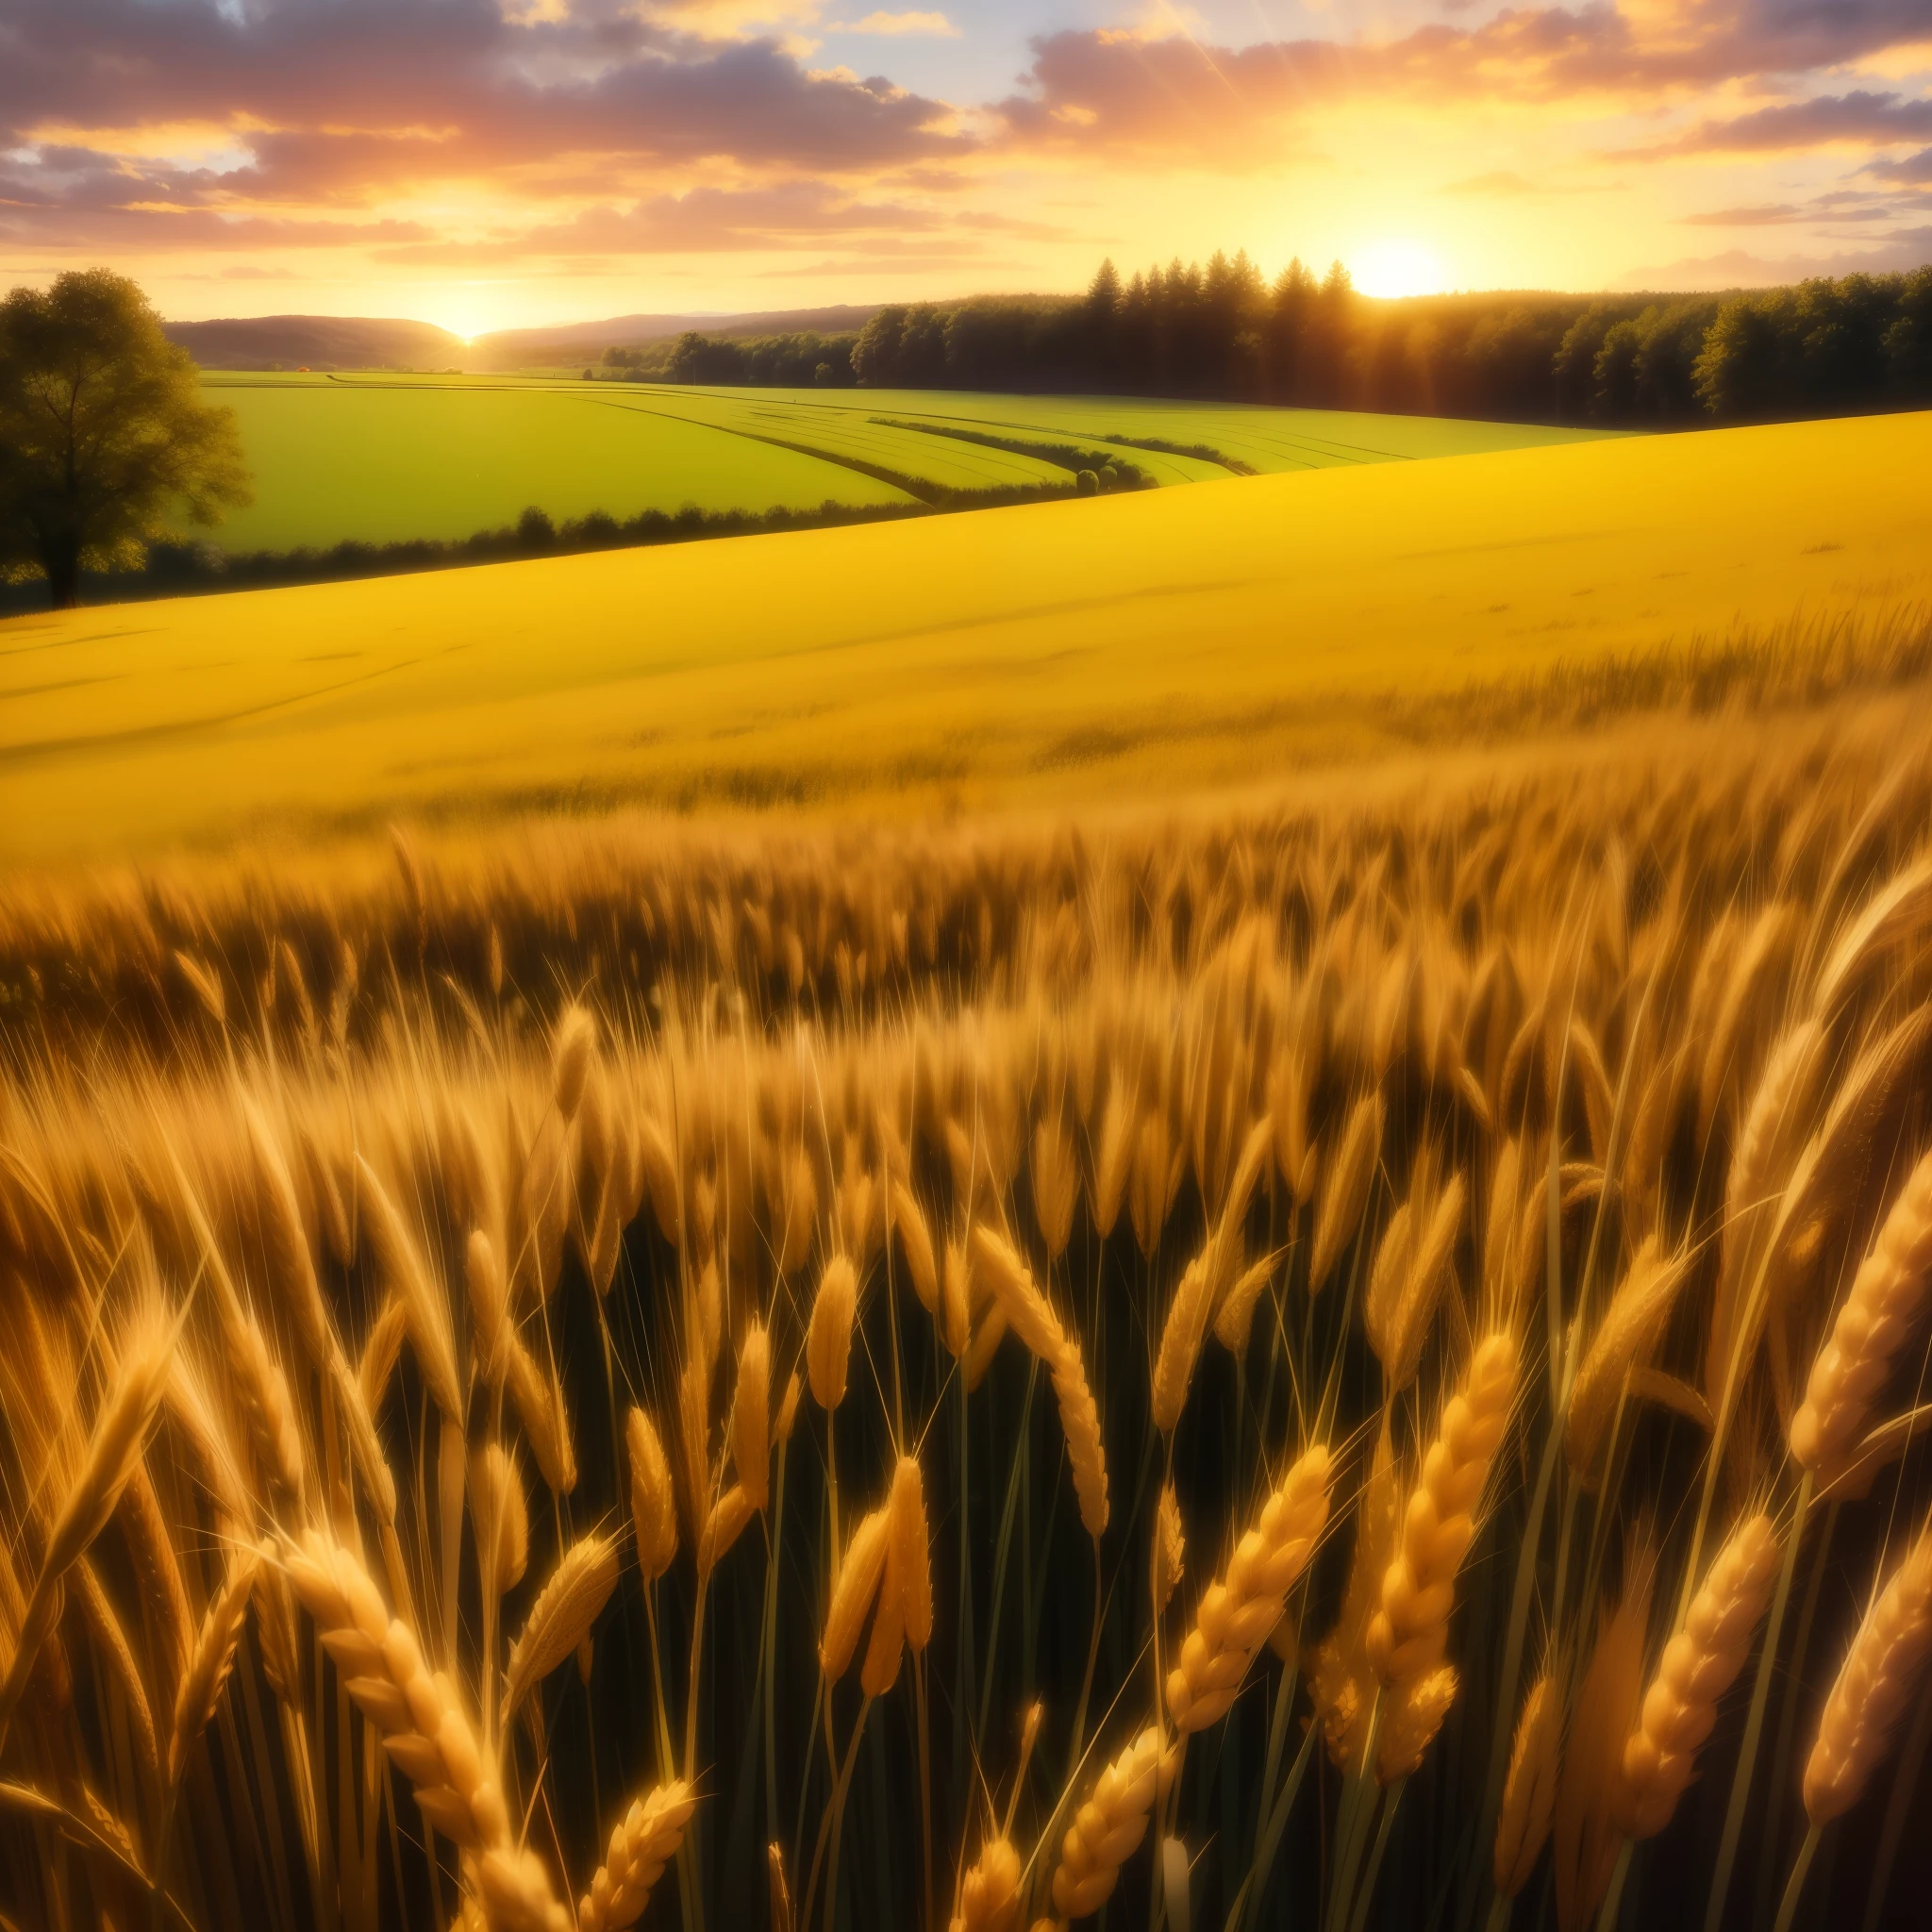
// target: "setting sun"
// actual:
[[1394, 268]]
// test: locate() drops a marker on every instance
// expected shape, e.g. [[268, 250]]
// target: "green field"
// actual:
[[1131, 643], [379, 458]]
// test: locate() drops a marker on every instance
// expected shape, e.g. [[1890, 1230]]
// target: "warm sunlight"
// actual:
[[938, 994], [1397, 268]]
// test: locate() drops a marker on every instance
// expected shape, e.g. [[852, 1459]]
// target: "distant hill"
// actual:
[[516, 348], [317, 342]]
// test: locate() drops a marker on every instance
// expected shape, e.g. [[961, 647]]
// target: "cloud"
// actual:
[[1176, 95], [341, 96], [1737, 269], [1865, 120], [1823, 209], [1746, 217], [566, 130], [1916, 167], [893, 24]]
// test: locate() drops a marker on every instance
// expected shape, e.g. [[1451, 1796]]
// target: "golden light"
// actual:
[[1397, 268]]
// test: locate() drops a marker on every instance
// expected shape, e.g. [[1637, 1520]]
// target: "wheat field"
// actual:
[[1352, 1357], [1165, 640]]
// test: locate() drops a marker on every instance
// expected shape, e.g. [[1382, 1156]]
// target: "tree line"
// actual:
[[1821, 347]]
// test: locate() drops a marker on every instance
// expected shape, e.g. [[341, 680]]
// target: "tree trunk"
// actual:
[[61, 562]]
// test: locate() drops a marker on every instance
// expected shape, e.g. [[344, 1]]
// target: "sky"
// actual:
[[485, 164]]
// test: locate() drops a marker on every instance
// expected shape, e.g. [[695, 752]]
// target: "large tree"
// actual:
[[104, 437]]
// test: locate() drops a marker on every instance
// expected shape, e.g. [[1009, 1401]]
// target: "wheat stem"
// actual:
[[1794, 1885]]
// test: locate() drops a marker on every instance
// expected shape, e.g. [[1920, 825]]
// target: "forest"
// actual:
[[1822, 346]]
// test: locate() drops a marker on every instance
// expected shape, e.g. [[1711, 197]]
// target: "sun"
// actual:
[[1397, 267]]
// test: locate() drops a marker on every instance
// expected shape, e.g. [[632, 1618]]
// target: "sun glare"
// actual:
[[1397, 267]]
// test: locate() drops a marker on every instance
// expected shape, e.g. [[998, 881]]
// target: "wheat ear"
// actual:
[[1108, 1827], [1874, 1689], [1346, 1194], [1408, 1635], [1238, 1613], [828, 1336], [575, 1041], [653, 1502], [514, 1886], [1032, 1318], [1624, 1338], [425, 1312], [1700, 1663], [1181, 1336], [425, 1730], [642, 1843], [264, 1393], [211, 1659], [853, 1590], [989, 1892], [570, 1602], [1875, 1323], [751, 1416], [502, 1518], [1170, 1549], [1529, 1791], [1412, 1716], [112, 1454]]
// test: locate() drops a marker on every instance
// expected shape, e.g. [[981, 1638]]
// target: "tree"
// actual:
[[104, 437]]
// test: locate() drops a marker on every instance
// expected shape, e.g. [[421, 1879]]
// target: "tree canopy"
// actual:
[[104, 437]]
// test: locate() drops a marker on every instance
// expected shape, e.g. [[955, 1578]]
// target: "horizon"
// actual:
[[486, 165]]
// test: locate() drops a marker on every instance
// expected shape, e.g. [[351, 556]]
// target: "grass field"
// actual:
[[380, 458], [1174, 636]]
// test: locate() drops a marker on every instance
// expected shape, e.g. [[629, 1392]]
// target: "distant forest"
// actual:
[[1221, 332]]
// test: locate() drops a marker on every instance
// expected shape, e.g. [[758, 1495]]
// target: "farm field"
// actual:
[[884, 1374], [1213, 1205], [1165, 637], [378, 459]]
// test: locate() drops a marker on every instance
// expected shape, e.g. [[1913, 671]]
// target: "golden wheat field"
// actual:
[[1352, 1352], [1166, 639]]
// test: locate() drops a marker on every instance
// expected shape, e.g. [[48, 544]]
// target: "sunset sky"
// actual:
[[495, 163]]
